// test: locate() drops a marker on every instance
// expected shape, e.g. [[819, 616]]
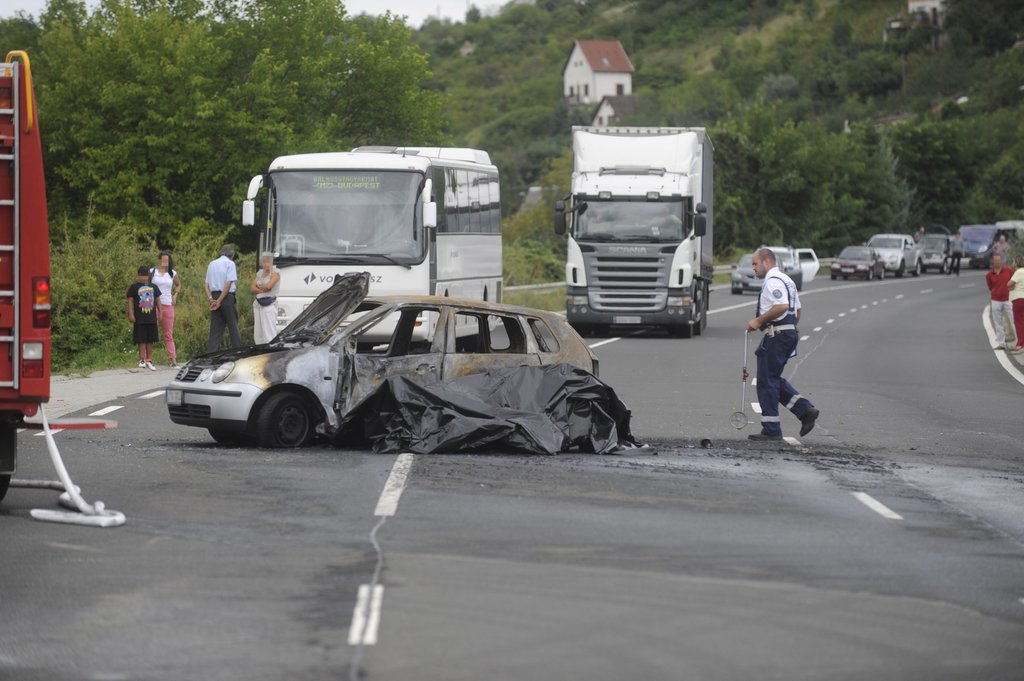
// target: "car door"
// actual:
[[485, 340], [808, 263], [414, 351]]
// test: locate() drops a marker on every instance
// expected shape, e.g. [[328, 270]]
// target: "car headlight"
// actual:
[[223, 371]]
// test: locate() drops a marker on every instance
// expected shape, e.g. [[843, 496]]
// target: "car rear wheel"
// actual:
[[871, 275], [833, 277], [881, 273], [227, 437], [284, 421]]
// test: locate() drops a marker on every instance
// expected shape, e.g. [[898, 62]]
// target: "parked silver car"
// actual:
[[335, 353], [899, 253], [743, 277]]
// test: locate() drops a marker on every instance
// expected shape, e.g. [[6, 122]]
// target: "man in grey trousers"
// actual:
[[221, 277]]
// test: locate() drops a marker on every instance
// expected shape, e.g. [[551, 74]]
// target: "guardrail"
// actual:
[[719, 269]]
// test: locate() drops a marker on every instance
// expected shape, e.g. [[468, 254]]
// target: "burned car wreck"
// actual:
[[314, 376]]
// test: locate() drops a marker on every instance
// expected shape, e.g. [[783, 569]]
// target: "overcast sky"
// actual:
[[416, 10]]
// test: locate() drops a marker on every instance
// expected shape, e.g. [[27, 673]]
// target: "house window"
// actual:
[[586, 90], [572, 91], [600, 120], [620, 89]]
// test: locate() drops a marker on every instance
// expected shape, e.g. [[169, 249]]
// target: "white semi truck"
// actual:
[[640, 224]]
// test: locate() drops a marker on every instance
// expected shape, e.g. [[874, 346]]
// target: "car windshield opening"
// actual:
[[855, 254], [352, 215], [646, 221]]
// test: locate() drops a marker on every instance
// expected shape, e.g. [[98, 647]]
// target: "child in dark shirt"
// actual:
[[143, 311]]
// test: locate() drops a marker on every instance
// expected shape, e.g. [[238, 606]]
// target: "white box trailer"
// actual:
[[640, 219]]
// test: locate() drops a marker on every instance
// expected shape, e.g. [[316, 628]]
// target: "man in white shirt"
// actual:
[[778, 311], [221, 277]]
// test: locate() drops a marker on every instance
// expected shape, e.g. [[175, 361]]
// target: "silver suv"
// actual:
[[787, 261], [899, 253]]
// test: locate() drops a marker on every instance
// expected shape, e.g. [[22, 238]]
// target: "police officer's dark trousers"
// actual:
[[772, 355]]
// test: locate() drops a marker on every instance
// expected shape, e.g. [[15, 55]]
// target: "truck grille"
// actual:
[[634, 282]]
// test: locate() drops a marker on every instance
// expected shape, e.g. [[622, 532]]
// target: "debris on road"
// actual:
[[539, 409]]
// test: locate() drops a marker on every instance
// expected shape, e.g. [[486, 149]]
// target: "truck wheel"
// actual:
[[284, 421], [684, 331], [5, 482], [8, 453]]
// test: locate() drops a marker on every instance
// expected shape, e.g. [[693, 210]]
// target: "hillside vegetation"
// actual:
[[155, 113], [794, 94]]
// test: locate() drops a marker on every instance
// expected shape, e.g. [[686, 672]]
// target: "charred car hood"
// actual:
[[328, 309]]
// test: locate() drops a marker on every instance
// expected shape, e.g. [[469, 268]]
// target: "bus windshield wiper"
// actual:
[[360, 258]]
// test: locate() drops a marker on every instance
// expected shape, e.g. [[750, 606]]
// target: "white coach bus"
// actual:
[[420, 220]]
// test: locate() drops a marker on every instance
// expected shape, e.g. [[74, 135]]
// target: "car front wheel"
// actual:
[[284, 421], [901, 269], [917, 269]]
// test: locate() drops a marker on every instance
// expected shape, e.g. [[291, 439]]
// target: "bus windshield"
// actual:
[[648, 221], [329, 215]]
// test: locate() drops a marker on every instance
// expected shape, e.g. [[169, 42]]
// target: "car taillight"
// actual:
[[41, 302]]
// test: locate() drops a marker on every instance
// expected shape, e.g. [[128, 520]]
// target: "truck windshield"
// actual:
[[350, 215], [649, 221]]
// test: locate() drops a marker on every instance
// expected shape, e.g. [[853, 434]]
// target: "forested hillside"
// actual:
[[155, 113], [777, 82]]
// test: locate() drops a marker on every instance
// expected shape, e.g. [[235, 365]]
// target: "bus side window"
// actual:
[[463, 195], [475, 204], [451, 201]]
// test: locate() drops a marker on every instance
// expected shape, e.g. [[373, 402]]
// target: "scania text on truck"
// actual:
[[420, 220], [640, 222], [24, 261]]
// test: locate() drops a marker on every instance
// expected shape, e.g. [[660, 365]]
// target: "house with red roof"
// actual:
[[596, 69]]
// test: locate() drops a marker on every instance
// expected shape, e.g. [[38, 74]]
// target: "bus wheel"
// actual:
[[284, 421]]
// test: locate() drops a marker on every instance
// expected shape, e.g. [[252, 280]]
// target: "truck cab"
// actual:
[[639, 224]]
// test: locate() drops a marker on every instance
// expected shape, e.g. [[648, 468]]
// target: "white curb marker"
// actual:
[[876, 506]]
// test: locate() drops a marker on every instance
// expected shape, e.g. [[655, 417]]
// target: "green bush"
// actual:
[[91, 275]]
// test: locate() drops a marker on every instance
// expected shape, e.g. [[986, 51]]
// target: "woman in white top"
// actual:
[[1016, 285], [264, 307], [166, 280]]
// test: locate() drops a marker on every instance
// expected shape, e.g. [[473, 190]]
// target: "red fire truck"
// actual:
[[24, 261]]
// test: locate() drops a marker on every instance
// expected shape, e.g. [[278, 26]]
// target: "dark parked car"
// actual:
[[859, 262], [335, 353], [743, 277]]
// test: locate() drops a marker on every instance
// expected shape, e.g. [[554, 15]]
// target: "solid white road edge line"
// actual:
[[604, 342], [149, 396], [1001, 356], [387, 504], [106, 410], [366, 616], [876, 506]]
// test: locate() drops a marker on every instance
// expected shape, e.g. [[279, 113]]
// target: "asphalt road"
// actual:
[[888, 543]]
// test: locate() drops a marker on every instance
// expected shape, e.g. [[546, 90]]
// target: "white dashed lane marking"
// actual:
[[803, 338], [53, 431], [899, 296], [926, 290], [756, 407], [387, 504], [106, 410], [366, 616], [829, 321], [876, 506], [149, 396], [817, 329]]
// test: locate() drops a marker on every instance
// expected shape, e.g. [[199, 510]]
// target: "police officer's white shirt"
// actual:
[[778, 289]]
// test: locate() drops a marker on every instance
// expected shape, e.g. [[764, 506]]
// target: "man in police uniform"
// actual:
[[778, 311]]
